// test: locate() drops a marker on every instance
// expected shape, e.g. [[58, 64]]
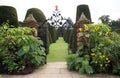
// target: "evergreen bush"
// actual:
[[8, 14], [43, 32], [85, 9], [37, 13], [53, 32]]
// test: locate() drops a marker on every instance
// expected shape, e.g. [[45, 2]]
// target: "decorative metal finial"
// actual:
[[56, 8]]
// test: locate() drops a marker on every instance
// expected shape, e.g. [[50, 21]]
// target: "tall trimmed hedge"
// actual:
[[85, 9], [43, 32], [37, 13], [80, 9], [53, 32], [8, 13]]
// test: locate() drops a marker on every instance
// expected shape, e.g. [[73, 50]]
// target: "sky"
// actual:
[[67, 7]]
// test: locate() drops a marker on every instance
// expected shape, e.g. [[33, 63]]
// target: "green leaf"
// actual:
[[81, 70], [26, 48], [89, 69], [85, 63]]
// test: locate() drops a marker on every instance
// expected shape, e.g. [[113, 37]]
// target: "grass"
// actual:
[[58, 51]]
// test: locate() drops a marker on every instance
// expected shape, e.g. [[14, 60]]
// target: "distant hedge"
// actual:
[[53, 33], [37, 13], [8, 13], [85, 9]]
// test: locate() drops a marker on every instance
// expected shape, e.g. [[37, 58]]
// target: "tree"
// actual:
[[105, 19], [115, 25]]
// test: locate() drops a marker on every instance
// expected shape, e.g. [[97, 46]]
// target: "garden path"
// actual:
[[57, 70]]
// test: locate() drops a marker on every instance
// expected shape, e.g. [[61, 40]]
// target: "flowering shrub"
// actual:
[[19, 49], [103, 48]]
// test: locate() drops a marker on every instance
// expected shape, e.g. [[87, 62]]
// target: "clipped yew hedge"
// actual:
[[53, 33], [85, 9], [8, 13], [43, 32], [37, 13]]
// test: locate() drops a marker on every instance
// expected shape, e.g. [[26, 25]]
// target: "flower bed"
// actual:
[[101, 52]]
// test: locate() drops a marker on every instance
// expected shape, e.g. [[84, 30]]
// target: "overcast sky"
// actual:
[[67, 7]]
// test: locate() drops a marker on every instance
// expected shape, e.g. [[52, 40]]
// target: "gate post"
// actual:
[[78, 34]]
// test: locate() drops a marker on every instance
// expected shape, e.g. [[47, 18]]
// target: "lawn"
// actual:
[[58, 51]]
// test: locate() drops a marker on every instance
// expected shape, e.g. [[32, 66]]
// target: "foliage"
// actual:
[[37, 14], [81, 64], [105, 19], [19, 49], [114, 24], [102, 47], [53, 32], [71, 61], [43, 31], [8, 13], [44, 34], [85, 10]]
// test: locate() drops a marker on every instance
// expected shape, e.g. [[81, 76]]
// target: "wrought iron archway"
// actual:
[[57, 20]]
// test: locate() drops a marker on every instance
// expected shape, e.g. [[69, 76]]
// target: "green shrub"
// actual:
[[44, 34], [103, 50], [85, 10], [43, 31], [8, 13], [71, 61], [80, 64], [19, 49], [53, 32], [37, 14]]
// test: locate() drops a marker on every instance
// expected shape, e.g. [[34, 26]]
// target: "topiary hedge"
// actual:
[[37, 13], [53, 32], [43, 32], [8, 13], [85, 9]]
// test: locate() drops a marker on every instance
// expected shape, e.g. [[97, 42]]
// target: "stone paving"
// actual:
[[57, 70]]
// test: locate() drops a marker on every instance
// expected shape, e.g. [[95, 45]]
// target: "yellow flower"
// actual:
[[92, 54], [108, 61], [101, 65], [96, 62], [101, 56], [107, 58], [80, 29], [86, 27], [106, 33], [96, 28], [106, 65]]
